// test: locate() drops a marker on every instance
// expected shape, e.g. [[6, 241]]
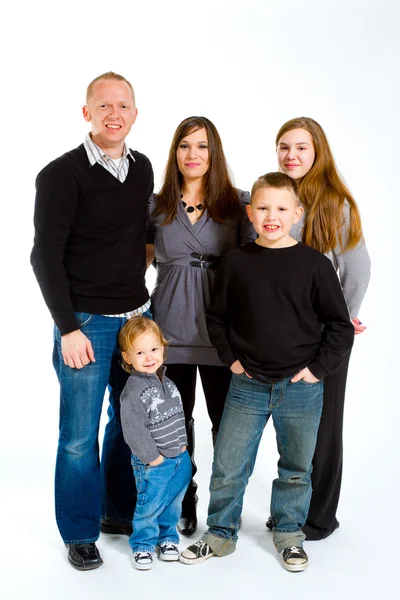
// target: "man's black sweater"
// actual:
[[267, 309], [89, 248]]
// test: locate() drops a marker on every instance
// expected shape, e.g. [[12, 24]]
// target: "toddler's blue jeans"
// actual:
[[160, 491]]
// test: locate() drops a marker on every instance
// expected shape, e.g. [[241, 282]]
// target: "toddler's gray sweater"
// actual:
[[152, 416]]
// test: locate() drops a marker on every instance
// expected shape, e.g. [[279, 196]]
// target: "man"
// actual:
[[89, 260]]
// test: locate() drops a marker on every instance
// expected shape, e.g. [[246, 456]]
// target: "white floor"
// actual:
[[358, 561]]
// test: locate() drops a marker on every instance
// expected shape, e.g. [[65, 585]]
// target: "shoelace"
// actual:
[[200, 544], [168, 547], [296, 551], [144, 555]]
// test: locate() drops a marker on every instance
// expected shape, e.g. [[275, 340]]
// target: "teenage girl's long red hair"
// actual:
[[323, 193]]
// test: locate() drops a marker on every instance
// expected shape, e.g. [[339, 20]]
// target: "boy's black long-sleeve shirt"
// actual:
[[267, 309]]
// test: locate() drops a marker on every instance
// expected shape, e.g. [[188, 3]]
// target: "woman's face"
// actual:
[[192, 155], [296, 153]]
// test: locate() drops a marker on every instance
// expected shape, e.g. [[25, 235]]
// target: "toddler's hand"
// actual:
[[183, 449], [156, 462], [306, 375]]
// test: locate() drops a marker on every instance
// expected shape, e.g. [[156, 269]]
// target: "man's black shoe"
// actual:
[[84, 556], [269, 525], [187, 525], [115, 527]]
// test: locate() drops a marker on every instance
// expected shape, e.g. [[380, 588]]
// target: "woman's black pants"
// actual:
[[328, 459], [215, 382]]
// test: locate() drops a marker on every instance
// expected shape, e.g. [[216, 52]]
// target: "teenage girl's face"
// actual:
[[296, 153], [192, 155], [146, 354]]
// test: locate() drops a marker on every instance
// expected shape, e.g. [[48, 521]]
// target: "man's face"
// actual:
[[111, 112]]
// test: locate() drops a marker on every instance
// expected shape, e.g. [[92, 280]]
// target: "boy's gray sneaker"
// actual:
[[143, 560], [196, 553], [168, 552], [294, 559]]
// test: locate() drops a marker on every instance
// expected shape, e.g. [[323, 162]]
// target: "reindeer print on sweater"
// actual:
[[152, 416]]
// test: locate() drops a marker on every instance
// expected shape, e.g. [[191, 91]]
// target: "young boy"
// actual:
[[270, 299], [153, 425]]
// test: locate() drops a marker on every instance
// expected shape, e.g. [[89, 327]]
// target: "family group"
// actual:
[[257, 293]]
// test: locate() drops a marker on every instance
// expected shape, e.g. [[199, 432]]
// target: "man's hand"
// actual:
[[156, 462], [76, 349], [237, 368], [306, 375]]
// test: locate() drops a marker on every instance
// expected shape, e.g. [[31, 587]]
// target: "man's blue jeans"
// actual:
[[296, 412], [160, 492], [84, 489]]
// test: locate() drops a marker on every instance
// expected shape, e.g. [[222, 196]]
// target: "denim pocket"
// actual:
[[308, 382], [153, 467], [83, 318]]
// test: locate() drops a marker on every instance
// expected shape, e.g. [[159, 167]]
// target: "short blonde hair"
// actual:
[[108, 75], [131, 331], [277, 181]]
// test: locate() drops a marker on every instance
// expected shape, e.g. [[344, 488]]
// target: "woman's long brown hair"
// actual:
[[220, 197], [323, 193]]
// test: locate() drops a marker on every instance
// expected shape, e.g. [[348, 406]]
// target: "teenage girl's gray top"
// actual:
[[182, 291], [353, 266]]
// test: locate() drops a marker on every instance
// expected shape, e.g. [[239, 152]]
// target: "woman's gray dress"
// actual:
[[182, 292]]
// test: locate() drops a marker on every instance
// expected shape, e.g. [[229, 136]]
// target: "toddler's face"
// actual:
[[147, 353]]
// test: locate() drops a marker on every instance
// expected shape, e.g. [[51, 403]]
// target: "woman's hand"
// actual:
[[156, 462], [306, 375], [237, 368], [358, 326]]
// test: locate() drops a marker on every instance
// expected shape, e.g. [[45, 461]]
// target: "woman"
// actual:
[[195, 219], [331, 224]]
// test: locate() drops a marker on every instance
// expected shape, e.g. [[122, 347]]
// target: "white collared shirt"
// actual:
[[96, 155]]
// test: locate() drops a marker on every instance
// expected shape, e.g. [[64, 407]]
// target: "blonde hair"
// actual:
[[276, 181], [131, 331], [323, 194], [108, 75]]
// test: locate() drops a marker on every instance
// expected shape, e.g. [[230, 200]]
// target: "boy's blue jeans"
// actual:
[[296, 412], [84, 487], [160, 491]]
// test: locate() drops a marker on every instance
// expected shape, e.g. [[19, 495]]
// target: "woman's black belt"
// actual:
[[205, 261]]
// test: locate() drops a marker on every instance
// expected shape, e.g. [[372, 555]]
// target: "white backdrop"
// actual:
[[248, 66]]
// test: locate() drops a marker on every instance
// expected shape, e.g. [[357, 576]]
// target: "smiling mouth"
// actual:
[[113, 127], [271, 227], [191, 165]]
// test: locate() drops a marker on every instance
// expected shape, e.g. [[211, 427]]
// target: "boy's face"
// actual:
[[273, 212], [146, 354]]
